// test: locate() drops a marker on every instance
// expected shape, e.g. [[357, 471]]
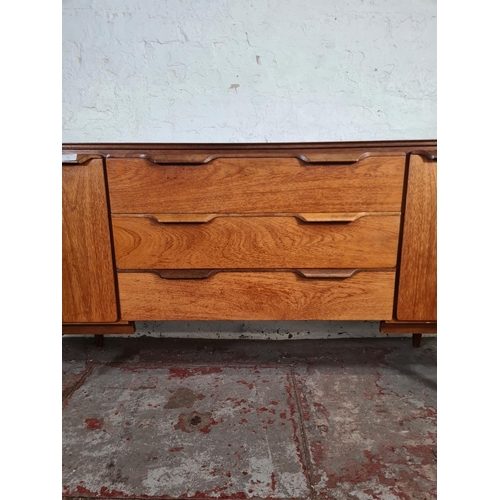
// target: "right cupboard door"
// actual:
[[417, 293]]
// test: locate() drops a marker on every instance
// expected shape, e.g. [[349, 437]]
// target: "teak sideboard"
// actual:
[[293, 231]]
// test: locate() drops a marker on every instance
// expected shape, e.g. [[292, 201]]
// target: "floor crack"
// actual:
[[303, 436], [77, 385]]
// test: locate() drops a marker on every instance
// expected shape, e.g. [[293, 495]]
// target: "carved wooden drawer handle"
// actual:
[[327, 273], [304, 217], [198, 159], [200, 274]]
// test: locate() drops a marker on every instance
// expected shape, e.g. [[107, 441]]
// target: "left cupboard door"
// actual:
[[88, 281]]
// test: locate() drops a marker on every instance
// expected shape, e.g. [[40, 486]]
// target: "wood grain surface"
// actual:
[[242, 185], [256, 242], [88, 285], [417, 292], [257, 296]]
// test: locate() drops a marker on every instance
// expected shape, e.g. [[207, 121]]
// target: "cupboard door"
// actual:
[[88, 284], [417, 295]]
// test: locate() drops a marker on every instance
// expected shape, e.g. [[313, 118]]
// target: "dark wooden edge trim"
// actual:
[[121, 328], [199, 274], [414, 327], [401, 234], [309, 153], [111, 239], [151, 146], [119, 322]]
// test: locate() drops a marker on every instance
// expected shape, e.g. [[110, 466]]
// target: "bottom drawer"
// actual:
[[257, 295]]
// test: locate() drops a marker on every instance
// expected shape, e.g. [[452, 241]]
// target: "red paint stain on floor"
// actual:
[[244, 382], [374, 466], [263, 409], [183, 372], [104, 492], [217, 493], [321, 408], [236, 401], [317, 453], [94, 424], [107, 493]]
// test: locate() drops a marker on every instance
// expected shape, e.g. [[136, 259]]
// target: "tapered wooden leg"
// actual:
[[417, 337], [99, 340]]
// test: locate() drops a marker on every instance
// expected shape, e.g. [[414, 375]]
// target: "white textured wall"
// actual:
[[248, 71]]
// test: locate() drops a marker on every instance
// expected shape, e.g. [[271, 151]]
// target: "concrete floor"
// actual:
[[235, 419]]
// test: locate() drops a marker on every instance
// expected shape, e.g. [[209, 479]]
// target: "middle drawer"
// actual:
[[362, 240]]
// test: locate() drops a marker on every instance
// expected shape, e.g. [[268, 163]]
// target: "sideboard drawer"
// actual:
[[345, 241], [256, 185], [257, 295]]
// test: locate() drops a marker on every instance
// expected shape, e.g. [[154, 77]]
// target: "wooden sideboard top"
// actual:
[[309, 152]]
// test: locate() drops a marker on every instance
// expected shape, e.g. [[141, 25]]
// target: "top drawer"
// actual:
[[256, 185]]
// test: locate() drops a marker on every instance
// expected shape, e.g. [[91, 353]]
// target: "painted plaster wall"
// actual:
[[249, 71]]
